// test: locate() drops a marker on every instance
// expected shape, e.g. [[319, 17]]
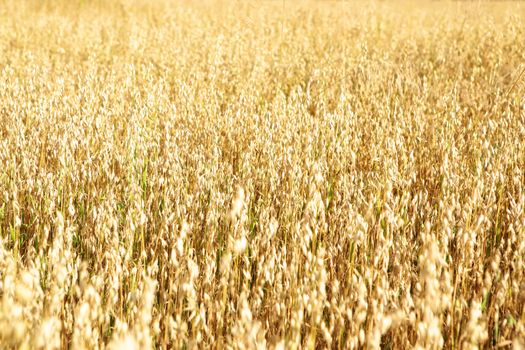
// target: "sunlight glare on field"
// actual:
[[262, 174]]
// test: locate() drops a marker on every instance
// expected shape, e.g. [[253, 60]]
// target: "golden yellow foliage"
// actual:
[[262, 174]]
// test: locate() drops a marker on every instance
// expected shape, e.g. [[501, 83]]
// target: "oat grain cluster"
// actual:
[[264, 174]]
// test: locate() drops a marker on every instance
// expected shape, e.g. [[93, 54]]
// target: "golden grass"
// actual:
[[262, 174]]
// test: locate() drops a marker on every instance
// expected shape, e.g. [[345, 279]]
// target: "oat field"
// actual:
[[262, 174]]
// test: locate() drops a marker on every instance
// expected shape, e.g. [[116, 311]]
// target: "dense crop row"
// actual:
[[261, 174]]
